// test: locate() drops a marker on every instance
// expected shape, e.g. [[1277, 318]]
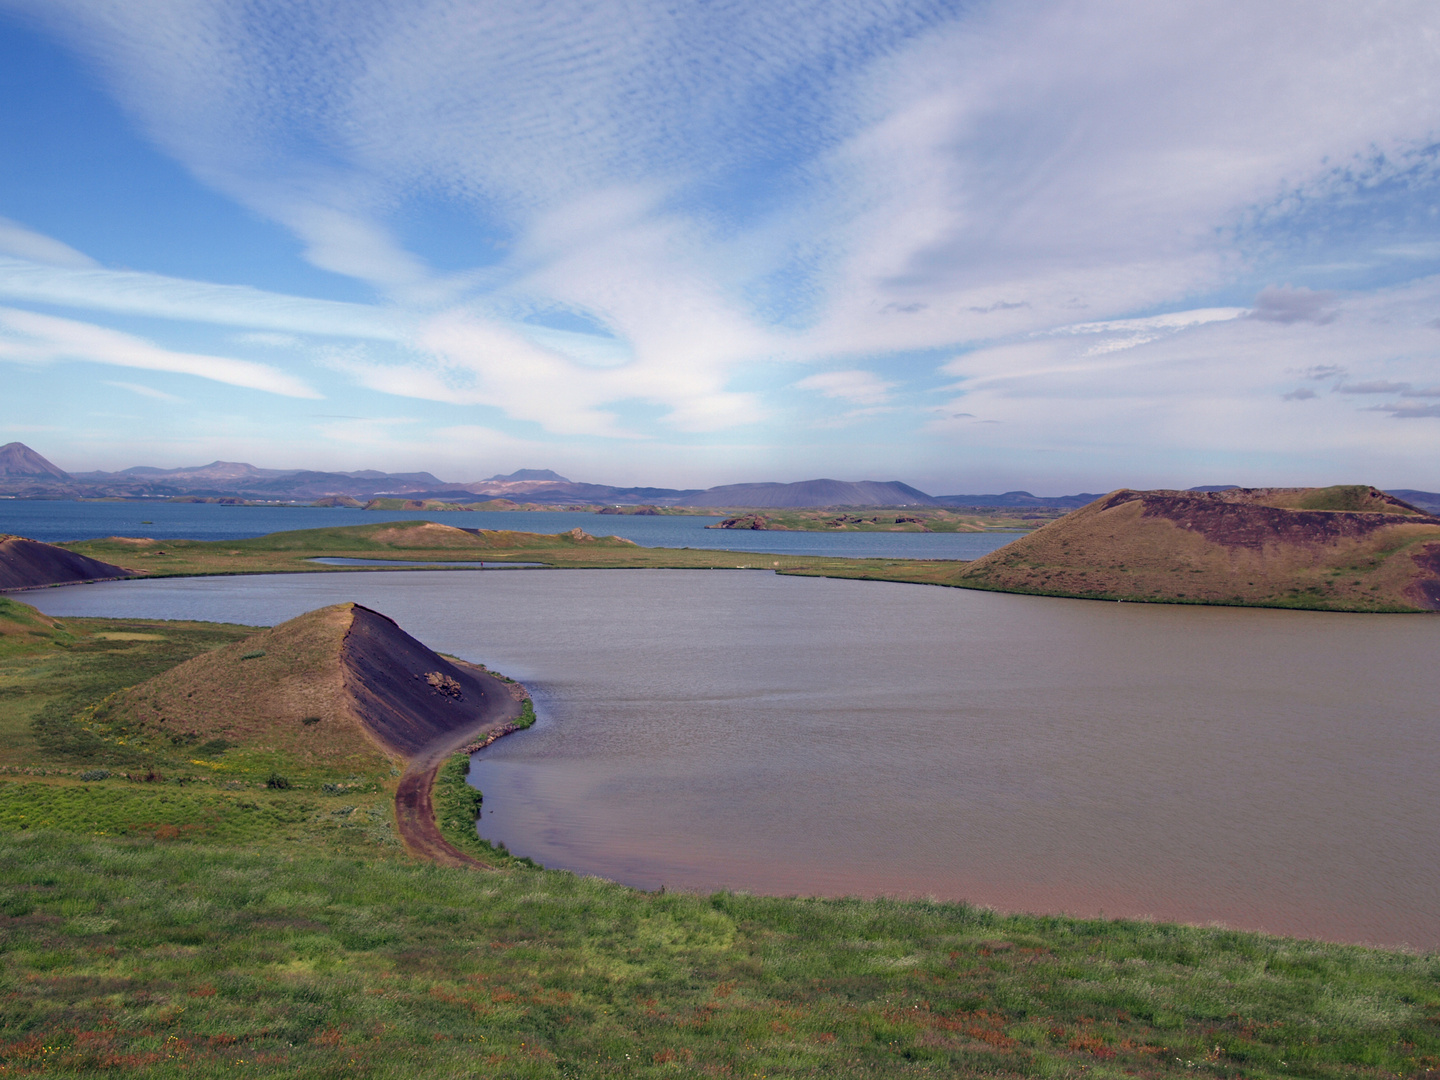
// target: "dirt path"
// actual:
[[414, 809]]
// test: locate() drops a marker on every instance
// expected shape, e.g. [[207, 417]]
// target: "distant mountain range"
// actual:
[[813, 493], [26, 474]]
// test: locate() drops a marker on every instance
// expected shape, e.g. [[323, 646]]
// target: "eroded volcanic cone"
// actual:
[[405, 695], [342, 686], [29, 564], [1347, 548]]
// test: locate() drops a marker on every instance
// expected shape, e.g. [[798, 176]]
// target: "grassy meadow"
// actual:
[[176, 957], [178, 910]]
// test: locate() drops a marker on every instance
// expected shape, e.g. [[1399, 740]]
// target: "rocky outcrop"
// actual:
[[745, 521]]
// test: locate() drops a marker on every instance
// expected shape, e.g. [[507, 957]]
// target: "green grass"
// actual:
[[174, 958], [51, 672], [354, 823]]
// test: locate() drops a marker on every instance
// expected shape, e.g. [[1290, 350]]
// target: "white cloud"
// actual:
[[861, 387], [144, 391], [1097, 158], [23, 243], [1230, 388], [269, 339], [131, 293], [31, 338]]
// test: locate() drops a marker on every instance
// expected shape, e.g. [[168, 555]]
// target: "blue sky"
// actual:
[[1053, 245]]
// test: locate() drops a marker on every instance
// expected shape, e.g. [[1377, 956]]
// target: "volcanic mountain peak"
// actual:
[[1340, 498], [17, 459]]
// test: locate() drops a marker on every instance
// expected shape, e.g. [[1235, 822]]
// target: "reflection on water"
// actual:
[[704, 729]]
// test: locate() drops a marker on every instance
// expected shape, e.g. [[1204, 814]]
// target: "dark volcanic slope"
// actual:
[[406, 695], [29, 564], [1348, 548], [813, 493]]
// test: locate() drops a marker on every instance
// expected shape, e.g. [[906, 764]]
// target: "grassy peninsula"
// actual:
[[421, 542], [174, 908]]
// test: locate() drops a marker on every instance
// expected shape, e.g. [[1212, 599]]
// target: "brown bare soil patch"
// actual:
[[29, 564]]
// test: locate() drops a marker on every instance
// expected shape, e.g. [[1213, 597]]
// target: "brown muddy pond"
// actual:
[[724, 729]]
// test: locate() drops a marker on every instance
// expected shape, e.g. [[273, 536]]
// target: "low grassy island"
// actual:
[[203, 872]]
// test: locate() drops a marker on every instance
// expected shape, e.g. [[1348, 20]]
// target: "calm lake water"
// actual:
[[703, 729], [55, 521]]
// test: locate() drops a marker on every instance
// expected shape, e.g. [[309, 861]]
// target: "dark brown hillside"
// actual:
[[1251, 523], [1348, 548], [404, 694], [29, 564], [342, 686]]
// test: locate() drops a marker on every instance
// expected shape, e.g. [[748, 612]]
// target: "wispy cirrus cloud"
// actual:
[[31, 338], [859, 387], [127, 292], [1057, 199], [22, 243], [144, 391]]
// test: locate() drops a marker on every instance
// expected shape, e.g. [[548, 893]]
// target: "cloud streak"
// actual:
[[27, 337], [91, 288]]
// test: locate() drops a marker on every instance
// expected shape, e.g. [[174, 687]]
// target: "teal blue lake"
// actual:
[[734, 729], [55, 521]]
